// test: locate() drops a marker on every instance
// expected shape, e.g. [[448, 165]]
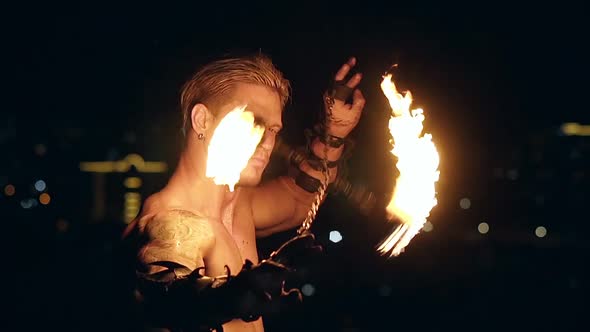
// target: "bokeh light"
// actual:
[[9, 190], [308, 289], [540, 231], [465, 203], [40, 185], [62, 225], [44, 198], [335, 236], [483, 228], [28, 203], [40, 150], [385, 290]]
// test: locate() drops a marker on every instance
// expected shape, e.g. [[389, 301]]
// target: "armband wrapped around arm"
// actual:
[[305, 154], [187, 302], [202, 303]]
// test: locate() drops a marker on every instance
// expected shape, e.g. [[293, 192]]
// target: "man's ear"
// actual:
[[199, 116]]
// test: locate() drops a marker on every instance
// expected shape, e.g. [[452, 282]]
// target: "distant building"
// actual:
[[118, 186]]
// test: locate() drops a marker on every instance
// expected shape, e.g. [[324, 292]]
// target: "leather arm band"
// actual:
[[188, 302], [307, 182], [316, 162], [331, 141]]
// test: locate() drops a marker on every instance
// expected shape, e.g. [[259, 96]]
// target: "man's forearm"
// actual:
[[302, 186], [322, 151]]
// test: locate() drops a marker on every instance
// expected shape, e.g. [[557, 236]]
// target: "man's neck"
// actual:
[[192, 190]]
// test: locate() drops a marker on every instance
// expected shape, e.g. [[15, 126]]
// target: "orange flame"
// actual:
[[233, 143], [414, 193]]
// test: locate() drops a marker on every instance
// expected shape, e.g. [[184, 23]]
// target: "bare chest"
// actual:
[[235, 242]]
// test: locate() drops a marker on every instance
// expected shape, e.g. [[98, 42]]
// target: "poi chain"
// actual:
[[311, 214]]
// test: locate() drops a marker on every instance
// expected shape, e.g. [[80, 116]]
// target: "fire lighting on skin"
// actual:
[[233, 143], [417, 161]]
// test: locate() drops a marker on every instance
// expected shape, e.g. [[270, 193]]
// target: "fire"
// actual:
[[233, 143], [414, 193]]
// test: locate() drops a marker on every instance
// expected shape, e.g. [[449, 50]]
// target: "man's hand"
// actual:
[[345, 116], [259, 288], [297, 251], [282, 204]]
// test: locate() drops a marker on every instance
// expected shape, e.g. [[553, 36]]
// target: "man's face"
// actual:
[[265, 104]]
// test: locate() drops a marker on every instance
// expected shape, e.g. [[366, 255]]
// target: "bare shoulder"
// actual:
[[178, 225], [135, 228], [175, 238], [157, 220]]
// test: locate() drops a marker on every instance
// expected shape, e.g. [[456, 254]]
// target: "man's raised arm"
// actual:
[[283, 203]]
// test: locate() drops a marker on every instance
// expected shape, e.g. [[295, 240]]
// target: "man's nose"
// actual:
[[268, 141]]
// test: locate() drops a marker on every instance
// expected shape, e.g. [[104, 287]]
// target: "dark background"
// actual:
[[97, 81]]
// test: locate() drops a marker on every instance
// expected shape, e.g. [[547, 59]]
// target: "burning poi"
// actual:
[[417, 161], [226, 159]]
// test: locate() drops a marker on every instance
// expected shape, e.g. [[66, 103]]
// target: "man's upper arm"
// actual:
[[278, 205], [175, 242]]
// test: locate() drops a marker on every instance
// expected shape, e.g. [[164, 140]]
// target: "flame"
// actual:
[[414, 193], [233, 143]]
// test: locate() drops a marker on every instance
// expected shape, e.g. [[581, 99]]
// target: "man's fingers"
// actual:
[[354, 81], [343, 71], [358, 101]]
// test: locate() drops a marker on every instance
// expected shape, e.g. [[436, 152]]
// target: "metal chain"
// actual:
[[321, 193]]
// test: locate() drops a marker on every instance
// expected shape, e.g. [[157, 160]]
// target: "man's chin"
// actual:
[[249, 178], [248, 182]]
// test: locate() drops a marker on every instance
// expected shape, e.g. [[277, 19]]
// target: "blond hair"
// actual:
[[215, 81]]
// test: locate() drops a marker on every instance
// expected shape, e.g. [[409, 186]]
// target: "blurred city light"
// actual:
[[28, 203], [335, 236], [308, 289], [498, 172], [132, 182], [9, 190], [131, 206], [483, 228], [540, 231], [512, 174], [124, 165], [385, 290], [40, 185], [575, 129], [465, 203], [44, 198], [40, 149], [61, 225]]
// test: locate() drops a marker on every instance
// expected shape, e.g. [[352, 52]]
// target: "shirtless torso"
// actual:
[[181, 234], [190, 223]]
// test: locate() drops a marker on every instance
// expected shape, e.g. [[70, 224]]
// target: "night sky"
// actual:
[[97, 81]]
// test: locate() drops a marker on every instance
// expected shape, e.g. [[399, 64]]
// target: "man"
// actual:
[[195, 242]]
